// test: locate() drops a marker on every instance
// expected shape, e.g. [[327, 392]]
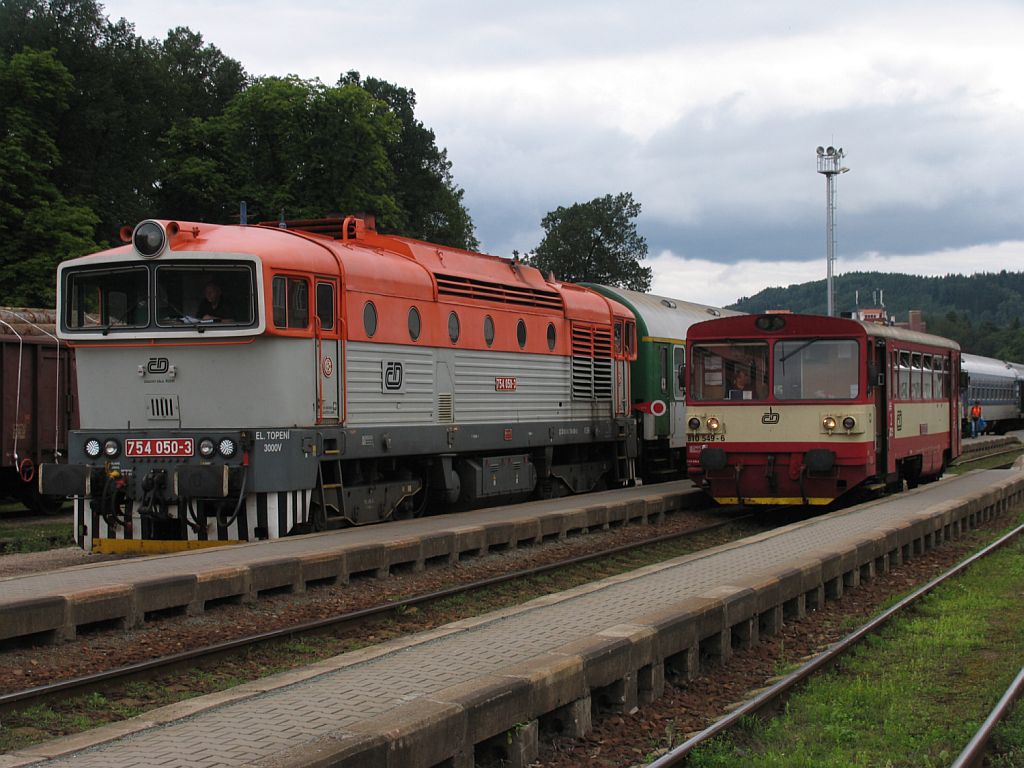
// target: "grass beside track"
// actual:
[[911, 696], [16, 536]]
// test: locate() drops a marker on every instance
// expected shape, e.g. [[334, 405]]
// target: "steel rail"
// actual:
[[976, 749], [771, 695], [89, 683], [961, 461]]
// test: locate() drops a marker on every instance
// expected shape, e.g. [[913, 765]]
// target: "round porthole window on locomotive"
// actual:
[[551, 335], [370, 318], [414, 323], [488, 330], [521, 333], [453, 327]]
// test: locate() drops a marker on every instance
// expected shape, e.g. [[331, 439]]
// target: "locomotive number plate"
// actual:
[[181, 446]]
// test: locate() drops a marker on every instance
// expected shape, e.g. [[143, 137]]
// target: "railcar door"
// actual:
[[328, 352], [879, 368]]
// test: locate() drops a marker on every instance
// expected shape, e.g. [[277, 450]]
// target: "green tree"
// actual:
[[39, 226], [285, 144], [430, 203], [595, 242], [128, 92]]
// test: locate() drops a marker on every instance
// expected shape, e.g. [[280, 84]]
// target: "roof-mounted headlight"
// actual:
[[150, 238]]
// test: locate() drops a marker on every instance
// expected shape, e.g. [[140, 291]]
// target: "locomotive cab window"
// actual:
[[325, 305], [291, 302], [816, 369], [204, 294], [107, 299], [737, 371]]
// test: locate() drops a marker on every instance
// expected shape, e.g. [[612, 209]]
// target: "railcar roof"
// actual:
[[989, 366], [662, 317], [811, 325]]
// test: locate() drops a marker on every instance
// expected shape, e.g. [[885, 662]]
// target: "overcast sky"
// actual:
[[708, 113]]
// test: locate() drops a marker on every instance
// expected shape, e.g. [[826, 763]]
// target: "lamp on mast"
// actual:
[[830, 164]]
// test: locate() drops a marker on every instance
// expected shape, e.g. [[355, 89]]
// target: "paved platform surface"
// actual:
[[58, 602], [438, 698]]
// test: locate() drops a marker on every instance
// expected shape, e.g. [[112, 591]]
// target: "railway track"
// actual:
[[113, 678], [774, 696]]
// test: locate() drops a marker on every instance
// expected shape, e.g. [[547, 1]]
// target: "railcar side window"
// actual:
[[107, 298], [904, 374], [822, 369], [915, 376], [203, 294], [325, 305], [926, 381], [736, 371], [291, 302]]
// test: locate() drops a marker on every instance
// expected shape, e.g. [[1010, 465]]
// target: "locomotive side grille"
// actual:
[[591, 362], [445, 409], [162, 407], [469, 288]]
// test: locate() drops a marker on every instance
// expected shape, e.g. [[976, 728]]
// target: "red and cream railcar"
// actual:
[[248, 382], [797, 409]]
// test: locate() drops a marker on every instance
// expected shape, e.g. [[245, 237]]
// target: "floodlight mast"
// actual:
[[830, 164]]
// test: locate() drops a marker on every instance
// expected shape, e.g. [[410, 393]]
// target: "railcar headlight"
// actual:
[[694, 424], [206, 447], [849, 423], [93, 448], [111, 447], [829, 423], [714, 424], [227, 447]]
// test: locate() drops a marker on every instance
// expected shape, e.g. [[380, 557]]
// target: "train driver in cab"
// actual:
[[739, 386], [213, 305]]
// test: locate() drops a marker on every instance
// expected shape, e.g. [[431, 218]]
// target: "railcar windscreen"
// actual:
[[736, 371], [823, 369], [107, 298], [204, 294]]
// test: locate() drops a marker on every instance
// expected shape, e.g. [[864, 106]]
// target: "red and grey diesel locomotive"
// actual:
[[249, 382], [796, 409]]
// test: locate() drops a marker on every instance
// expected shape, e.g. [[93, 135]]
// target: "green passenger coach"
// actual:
[[658, 377]]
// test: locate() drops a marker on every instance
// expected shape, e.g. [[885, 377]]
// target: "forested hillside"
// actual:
[[984, 312]]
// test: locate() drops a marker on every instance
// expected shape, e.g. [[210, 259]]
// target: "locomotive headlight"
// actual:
[[829, 423], [694, 424], [149, 239], [227, 447], [93, 448], [206, 448], [111, 448], [714, 424], [849, 423]]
